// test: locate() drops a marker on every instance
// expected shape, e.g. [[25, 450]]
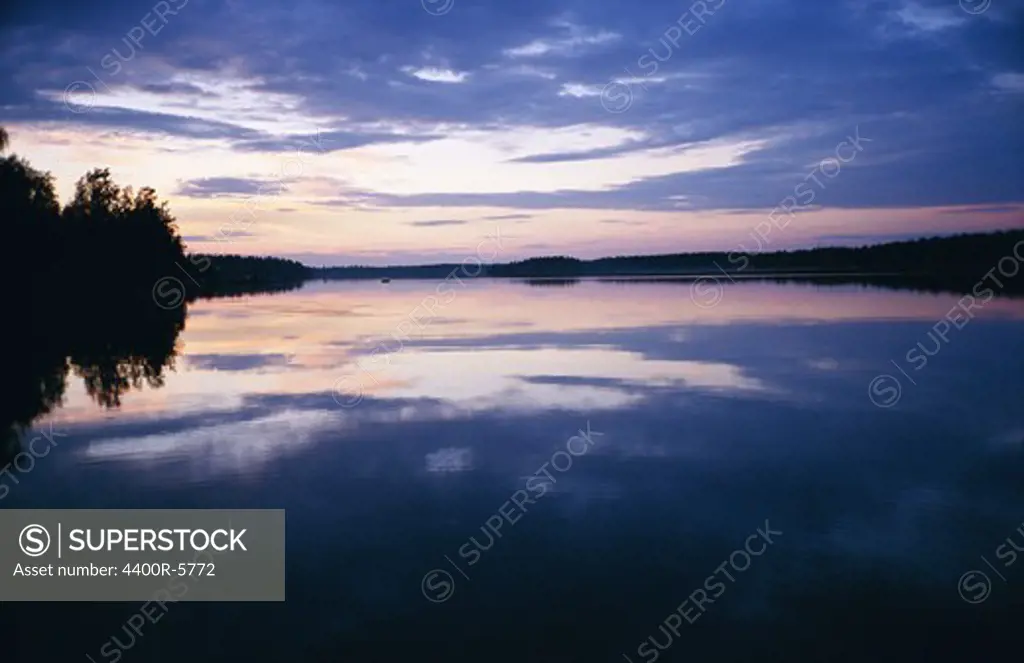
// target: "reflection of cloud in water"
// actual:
[[598, 377], [450, 459], [227, 447], [506, 346], [225, 442], [1010, 440], [707, 431], [678, 336]]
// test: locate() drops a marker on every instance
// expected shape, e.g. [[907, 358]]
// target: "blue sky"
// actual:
[[413, 130]]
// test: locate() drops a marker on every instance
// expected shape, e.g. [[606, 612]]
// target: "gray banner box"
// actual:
[[43, 540]]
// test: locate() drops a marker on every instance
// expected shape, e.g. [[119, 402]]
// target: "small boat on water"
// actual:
[[385, 280]]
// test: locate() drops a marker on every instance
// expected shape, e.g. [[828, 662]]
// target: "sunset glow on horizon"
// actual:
[[395, 133]]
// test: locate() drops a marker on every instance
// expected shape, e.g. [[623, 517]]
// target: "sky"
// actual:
[[415, 131]]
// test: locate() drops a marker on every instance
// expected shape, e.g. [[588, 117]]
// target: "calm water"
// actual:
[[706, 423]]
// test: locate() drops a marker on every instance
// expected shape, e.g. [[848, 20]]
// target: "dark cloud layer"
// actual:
[[212, 187], [937, 89]]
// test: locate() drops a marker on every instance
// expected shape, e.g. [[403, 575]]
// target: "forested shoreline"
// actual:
[[942, 264]]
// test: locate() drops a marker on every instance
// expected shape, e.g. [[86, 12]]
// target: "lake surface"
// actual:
[[775, 440]]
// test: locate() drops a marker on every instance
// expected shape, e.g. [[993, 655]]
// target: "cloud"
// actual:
[[216, 187], [500, 107], [1009, 82], [526, 70], [596, 153], [437, 223], [212, 238], [49, 107], [508, 217], [580, 91], [236, 362], [436, 75], [179, 89], [930, 19], [622, 222], [326, 141], [571, 40]]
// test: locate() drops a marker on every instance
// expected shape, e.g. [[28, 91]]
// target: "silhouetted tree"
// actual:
[[124, 238]]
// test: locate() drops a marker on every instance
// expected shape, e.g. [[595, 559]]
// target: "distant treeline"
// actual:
[[437, 271], [232, 274], [961, 255], [936, 263]]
